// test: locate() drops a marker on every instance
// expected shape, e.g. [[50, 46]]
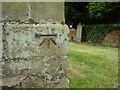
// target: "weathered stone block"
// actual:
[[43, 12], [35, 51], [15, 11], [34, 45]]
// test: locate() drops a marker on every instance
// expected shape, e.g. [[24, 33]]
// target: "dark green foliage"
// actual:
[[105, 12], [92, 12], [96, 33], [76, 12]]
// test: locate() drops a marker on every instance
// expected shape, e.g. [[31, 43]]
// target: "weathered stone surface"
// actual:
[[15, 11], [0, 41], [79, 33], [34, 45], [0, 10], [21, 40], [0, 53], [49, 75], [43, 12], [26, 53]]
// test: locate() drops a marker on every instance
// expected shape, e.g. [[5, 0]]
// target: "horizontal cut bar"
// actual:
[[46, 35]]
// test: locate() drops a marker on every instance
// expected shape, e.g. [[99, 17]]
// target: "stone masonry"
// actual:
[[33, 45]]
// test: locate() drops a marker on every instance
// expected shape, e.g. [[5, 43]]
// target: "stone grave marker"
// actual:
[[79, 33]]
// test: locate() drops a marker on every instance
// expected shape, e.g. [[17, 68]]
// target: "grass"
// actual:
[[92, 66]]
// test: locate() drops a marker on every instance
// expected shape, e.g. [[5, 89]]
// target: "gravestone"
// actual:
[[79, 33], [34, 45]]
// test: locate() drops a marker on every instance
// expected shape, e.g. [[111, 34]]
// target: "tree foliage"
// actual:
[[107, 12], [75, 12], [92, 12]]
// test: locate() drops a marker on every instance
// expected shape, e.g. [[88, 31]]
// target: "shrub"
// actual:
[[96, 33]]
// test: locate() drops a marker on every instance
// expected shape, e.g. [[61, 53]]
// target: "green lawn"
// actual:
[[92, 66]]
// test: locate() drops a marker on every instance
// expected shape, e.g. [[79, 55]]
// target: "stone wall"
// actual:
[[43, 12], [34, 55], [112, 38], [72, 34], [29, 53]]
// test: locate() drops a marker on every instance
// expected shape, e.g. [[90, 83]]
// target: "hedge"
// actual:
[[96, 33]]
